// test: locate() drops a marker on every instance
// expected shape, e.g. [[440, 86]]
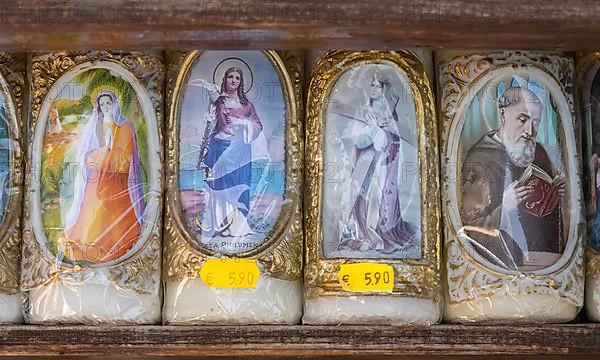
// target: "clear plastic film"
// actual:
[[367, 263], [588, 85], [233, 252], [12, 71], [92, 244], [513, 202]]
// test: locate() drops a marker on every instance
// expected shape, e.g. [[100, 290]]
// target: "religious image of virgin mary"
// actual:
[[371, 218], [105, 218]]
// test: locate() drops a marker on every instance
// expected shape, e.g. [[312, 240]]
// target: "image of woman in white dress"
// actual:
[[371, 216]]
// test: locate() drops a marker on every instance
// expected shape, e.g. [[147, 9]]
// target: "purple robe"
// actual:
[[390, 232]]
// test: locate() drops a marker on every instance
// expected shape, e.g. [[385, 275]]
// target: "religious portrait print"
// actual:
[[371, 193], [591, 104], [93, 173], [232, 150], [513, 178]]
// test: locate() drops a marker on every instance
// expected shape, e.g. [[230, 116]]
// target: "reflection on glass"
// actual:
[[513, 179], [232, 127], [372, 199]]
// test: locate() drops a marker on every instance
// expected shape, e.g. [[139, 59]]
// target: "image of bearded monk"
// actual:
[[492, 196]]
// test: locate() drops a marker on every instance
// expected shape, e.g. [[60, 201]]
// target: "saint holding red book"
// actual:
[[511, 191]]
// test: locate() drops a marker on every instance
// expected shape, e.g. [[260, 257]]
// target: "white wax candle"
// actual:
[[10, 309], [96, 301], [513, 308], [273, 301], [92, 248], [592, 299], [373, 309], [514, 298], [230, 162]]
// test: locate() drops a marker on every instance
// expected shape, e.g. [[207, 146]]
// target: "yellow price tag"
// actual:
[[365, 277], [230, 273]]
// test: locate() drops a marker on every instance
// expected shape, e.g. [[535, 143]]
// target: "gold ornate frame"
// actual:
[[140, 270], [587, 65], [280, 254], [13, 86], [416, 278], [468, 278]]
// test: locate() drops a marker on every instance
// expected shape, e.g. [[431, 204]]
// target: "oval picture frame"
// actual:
[[14, 91], [144, 73], [279, 253], [461, 78]]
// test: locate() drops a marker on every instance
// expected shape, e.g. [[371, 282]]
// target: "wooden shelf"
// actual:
[[573, 341], [298, 24]]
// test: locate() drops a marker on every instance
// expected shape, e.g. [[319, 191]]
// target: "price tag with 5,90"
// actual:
[[230, 273], [365, 277]]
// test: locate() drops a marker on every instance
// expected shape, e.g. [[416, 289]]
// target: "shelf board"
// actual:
[[298, 24], [572, 341]]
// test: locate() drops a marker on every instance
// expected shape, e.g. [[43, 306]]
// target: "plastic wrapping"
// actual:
[[372, 235], [92, 223], [12, 95], [235, 166], [513, 197], [588, 84]]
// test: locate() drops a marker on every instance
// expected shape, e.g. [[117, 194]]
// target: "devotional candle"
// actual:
[[233, 245], [13, 90], [372, 201], [92, 236], [512, 192], [588, 84]]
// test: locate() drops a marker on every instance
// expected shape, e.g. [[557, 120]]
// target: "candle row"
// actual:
[[208, 187]]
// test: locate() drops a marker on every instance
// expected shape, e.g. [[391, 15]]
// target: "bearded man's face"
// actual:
[[519, 129]]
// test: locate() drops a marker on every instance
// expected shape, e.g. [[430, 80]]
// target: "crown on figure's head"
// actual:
[[102, 88]]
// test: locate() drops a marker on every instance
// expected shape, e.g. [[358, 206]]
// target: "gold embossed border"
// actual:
[[417, 278], [140, 272], [587, 68], [280, 255], [467, 278], [14, 88]]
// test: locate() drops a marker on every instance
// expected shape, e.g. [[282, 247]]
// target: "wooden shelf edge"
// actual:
[[580, 340], [298, 24]]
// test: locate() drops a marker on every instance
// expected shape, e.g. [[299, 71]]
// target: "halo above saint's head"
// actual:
[[234, 62], [101, 88]]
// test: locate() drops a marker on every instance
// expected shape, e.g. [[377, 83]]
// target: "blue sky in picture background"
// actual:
[[267, 96]]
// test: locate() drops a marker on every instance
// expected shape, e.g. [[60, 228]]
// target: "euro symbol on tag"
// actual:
[[346, 279], [209, 279]]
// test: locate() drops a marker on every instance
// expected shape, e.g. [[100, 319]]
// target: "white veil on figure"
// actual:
[[91, 142], [365, 172]]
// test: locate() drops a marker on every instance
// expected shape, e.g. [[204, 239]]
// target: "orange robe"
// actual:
[[107, 226]]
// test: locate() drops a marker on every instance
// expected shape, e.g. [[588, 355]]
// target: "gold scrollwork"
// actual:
[[280, 255], [13, 89], [140, 272], [417, 278], [468, 278]]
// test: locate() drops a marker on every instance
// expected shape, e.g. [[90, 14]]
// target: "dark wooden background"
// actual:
[[296, 24]]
